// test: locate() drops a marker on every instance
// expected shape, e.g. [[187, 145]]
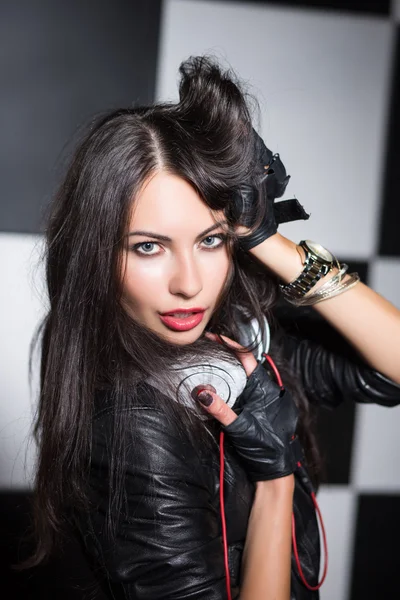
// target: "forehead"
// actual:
[[169, 202]]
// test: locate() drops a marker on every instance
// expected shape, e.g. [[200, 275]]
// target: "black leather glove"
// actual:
[[270, 180], [263, 435]]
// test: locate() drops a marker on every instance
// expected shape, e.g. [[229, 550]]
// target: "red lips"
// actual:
[[183, 310], [177, 323]]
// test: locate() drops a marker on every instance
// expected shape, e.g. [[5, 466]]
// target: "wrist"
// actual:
[[275, 487], [282, 256], [325, 279]]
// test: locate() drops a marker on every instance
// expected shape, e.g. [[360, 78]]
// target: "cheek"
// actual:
[[142, 281], [218, 268]]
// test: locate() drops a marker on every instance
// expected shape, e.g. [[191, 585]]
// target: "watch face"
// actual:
[[320, 251]]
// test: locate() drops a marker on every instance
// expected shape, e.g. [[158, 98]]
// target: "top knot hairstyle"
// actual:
[[215, 115], [88, 341]]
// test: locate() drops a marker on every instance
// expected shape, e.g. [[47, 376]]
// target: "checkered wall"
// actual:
[[326, 75]]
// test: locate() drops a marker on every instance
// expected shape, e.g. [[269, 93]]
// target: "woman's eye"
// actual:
[[220, 238], [143, 248]]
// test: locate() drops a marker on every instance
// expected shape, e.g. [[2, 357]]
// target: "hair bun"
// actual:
[[214, 111]]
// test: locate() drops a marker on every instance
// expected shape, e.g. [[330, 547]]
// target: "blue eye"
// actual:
[[142, 248], [221, 237]]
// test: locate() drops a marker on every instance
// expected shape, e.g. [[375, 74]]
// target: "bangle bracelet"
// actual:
[[318, 262], [336, 279], [335, 291], [332, 282], [351, 282]]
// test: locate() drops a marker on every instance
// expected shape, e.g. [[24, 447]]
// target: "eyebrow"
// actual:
[[165, 238]]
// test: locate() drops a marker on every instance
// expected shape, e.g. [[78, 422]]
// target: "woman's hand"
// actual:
[[268, 183], [210, 400], [262, 433]]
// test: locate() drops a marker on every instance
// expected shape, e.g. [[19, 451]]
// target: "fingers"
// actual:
[[215, 406], [247, 359]]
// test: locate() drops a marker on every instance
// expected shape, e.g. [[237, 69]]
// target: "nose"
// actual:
[[186, 278]]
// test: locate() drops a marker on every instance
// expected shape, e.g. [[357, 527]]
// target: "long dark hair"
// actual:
[[88, 341]]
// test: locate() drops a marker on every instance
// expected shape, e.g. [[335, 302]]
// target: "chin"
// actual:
[[180, 339]]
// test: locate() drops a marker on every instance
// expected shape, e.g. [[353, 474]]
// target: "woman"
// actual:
[[168, 209]]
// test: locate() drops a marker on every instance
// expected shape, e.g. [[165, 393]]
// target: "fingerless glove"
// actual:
[[263, 435], [270, 180]]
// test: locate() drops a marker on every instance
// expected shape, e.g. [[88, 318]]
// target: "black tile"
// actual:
[[359, 266], [65, 577], [389, 239], [374, 7], [62, 63], [306, 320], [376, 555], [334, 428], [335, 434]]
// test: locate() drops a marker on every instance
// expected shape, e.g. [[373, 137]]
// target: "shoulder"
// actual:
[[142, 405], [150, 425], [107, 399]]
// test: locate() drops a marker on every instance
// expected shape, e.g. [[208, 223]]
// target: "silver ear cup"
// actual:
[[263, 338], [228, 378], [249, 330]]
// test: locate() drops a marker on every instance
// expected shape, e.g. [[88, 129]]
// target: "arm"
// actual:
[[367, 320], [328, 378], [267, 551], [262, 437]]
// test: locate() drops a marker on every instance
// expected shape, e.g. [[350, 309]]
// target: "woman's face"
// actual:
[[177, 259]]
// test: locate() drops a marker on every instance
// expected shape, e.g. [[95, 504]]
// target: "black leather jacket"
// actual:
[[169, 543]]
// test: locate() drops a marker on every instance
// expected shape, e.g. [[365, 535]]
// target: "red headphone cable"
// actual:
[[294, 539], [308, 484], [222, 503]]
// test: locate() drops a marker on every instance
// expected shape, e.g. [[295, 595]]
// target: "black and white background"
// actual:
[[327, 76]]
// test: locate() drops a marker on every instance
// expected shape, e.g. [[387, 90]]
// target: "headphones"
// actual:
[[228, 377]]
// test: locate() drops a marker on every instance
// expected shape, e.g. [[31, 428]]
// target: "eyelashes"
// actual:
[[138, 248]]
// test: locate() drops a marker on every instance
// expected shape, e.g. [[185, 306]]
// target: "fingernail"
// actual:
[[205, 398], [200, 388]]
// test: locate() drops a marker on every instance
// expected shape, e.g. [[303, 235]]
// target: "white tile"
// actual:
[[21, 308], [322, 80], [338, 506], [376, 450], [384, 278]]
